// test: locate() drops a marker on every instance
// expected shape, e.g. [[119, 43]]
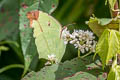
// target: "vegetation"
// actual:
[[59, 40]]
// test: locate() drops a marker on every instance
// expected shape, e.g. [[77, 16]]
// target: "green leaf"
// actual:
[[47, 32], [85, 76], [107, 46], [75, 69], [114, 73], [99, 25], [8, 18], [104, 21], [27, 40], [48, 6], [113, 44]]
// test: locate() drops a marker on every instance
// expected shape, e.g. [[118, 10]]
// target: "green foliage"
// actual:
[[8, 18], [109, 41], [85, 75], [48, 6], [108, 45], [27, 41], [99, 25], [47, 32], [74, 69], [30, 50]]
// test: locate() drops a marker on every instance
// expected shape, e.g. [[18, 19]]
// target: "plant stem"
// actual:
[[119, 14], [78, 53], [10, 67], [119, 25], [86, 54], [0, 52], [119, 4], [52, 62], [9, 42], [15, 46], [115, 12]]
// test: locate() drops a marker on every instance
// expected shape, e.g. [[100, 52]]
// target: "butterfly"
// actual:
[[46, 31]]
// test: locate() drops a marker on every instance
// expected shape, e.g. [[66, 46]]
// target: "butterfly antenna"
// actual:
[[70, 24]]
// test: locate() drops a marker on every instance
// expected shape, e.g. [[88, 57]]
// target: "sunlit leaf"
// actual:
[[99, 25], [108, 46]]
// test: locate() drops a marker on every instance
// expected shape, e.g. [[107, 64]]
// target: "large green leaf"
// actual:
[[75, 69], [99, 25], [8, 18], [107, 46], [47, 33], [27, 41], [47, 6]]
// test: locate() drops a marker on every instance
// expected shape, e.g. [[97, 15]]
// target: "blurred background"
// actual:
[[79, 11], [67, 12]]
